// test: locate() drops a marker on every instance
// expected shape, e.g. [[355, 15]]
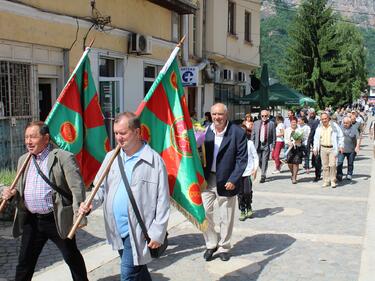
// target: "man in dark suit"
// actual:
[[226, 158], [42, 212], [264, 137]]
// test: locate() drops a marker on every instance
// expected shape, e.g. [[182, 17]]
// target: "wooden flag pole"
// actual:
[[13, 186], [181, 41], [94, 191]]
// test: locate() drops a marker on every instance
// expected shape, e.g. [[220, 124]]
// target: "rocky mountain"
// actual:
[[358, 11]]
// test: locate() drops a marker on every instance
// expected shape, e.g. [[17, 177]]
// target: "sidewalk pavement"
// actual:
[[299, 232]]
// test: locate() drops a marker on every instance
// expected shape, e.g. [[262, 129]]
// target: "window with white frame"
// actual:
[[150, 72], [175, 27], [248, 27], [231, 18]]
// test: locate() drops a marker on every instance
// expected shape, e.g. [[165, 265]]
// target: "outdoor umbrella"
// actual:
[[279, 94], [264, 88]]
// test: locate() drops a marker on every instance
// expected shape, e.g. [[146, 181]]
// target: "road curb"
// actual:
[[367, 269]]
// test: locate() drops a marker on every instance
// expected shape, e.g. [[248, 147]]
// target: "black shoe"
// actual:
[[224, 256], [316, 179], [262, 180], [339, 178], [208, 254]]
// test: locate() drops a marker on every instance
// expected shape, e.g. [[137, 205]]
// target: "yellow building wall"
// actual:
[[133, 15], [136, 16]]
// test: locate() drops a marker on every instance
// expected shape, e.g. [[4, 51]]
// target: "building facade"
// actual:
[[224, 42], [41, 42]]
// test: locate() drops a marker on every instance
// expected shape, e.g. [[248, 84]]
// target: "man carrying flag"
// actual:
[[147, 177], [48, 194]]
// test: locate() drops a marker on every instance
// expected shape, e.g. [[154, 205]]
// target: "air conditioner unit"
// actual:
[[227, 75], [140, 44], [241, 76]]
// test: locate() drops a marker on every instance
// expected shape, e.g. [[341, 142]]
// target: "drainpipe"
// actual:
[[185, 47]]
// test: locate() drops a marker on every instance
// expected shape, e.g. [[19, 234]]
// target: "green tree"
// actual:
[[320, 60]]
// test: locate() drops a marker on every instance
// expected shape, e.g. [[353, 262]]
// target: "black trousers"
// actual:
[[245, 194], [36, 231], [316, 162]]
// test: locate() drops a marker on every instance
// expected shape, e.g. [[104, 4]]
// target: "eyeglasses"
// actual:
[[264, 115]]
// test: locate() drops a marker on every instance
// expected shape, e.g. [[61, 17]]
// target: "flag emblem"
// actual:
[[68, 132], [195, 194], [180, 138]]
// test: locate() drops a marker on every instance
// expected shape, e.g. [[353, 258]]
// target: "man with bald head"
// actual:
[[352, 143], [226, 160], [264, 138]]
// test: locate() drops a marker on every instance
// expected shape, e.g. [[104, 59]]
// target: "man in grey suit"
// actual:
[[264, 137], [48, 195]]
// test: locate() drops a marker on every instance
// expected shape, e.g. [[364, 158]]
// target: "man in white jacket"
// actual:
[[328, 141]]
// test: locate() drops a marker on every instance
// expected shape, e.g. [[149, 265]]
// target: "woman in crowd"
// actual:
[[279, 143], [248, 121], [294, 137]]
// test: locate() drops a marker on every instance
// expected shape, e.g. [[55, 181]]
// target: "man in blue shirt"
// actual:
[[148, 180]]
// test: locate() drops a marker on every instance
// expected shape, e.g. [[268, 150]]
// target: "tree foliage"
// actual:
[[324, 58]]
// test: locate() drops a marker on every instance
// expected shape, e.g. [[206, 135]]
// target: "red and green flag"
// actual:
[[76, 121], [167, 127]]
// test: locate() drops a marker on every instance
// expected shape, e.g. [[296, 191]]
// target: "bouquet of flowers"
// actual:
[[297, 136], [200, 134]]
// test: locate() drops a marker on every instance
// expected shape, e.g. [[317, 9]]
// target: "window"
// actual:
[[248, 27], [107, 67], [149, 75], [231, 18], [15, 89], [175, 27]]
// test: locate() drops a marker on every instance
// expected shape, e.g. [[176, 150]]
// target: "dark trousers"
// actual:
[[264, 156], [245, 194], [340, 162], [316, 162], [129, 271], [36, 232]]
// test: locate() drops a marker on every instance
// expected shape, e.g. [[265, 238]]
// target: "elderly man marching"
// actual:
[[328, 141]]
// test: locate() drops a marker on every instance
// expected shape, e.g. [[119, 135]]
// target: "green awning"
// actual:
[[278, 95]]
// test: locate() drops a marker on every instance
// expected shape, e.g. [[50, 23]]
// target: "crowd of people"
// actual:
[[321, 142], [51, 192]]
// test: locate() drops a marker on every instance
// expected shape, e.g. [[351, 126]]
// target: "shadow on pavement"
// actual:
[[273, 246], [179, 247], [262, 213]]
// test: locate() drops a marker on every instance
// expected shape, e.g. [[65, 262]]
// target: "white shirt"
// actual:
[[252, 159], [218, 140], [279, 127], [306, 132]]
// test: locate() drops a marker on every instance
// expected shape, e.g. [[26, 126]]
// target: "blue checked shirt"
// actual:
[[38, 194]]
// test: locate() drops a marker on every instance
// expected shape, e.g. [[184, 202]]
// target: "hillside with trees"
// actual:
[[337, 72], [277, 16]]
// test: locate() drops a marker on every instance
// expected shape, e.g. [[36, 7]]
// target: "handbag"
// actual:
[[155, 253]]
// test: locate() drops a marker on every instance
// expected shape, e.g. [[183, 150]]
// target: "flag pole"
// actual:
[[93, 193], [13, 186]]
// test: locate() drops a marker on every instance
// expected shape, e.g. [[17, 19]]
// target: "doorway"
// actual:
[[47, 93]]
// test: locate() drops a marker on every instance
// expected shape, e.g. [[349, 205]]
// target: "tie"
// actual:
[[265, 124]]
